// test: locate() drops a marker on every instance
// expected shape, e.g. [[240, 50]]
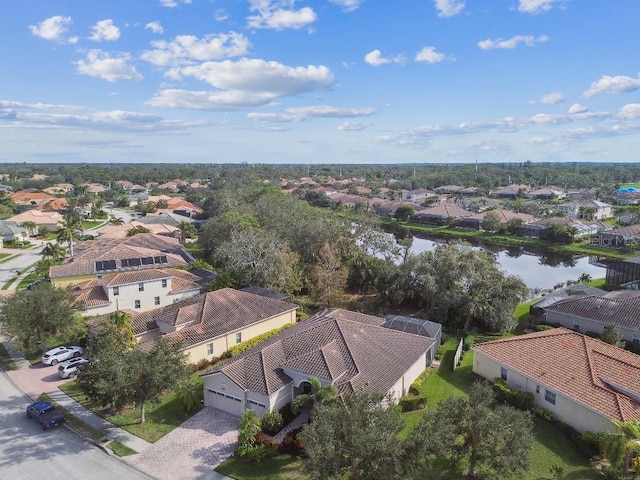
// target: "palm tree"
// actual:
[[53, 251], [584, 278], [70, 228], [31, 227], [187, 230], [113, 220], [622, 449], [136, 230]]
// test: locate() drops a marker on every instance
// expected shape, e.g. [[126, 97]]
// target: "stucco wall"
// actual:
[[566, 409], [401, 387], [223, 343]]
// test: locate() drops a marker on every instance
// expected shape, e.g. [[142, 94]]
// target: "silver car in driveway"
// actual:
[[60, 354], [69, 368]]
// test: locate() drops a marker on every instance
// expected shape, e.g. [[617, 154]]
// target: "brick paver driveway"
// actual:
[[192, 450], [38, 378]]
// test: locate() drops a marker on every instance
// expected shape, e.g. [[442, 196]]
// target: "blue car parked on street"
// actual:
[[46, 414]]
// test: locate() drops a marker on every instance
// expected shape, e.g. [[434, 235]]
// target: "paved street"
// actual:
[[24, 259], [28, 453]]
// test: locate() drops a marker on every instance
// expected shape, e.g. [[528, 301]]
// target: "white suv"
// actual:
[[60, 354], [69, 368]]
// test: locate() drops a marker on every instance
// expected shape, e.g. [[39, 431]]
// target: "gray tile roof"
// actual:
[[349, 347], [622, 312]]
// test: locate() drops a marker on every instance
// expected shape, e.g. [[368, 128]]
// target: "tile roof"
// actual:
[[350, 348], [600, 376], [103, 249], [91, 293], [443, 211], [621, 311], [210, 315]]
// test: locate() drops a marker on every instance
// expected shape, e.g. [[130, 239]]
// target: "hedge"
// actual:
[[506, 394], [409, 403], [241, 347]]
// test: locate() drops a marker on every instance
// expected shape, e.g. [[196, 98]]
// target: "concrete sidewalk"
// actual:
[[112, 432]]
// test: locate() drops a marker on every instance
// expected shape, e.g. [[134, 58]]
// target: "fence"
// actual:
[[456, 357]]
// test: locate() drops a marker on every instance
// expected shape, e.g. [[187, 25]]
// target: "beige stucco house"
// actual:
[[207, 325], [585, 382], [45, 221], [348, 350]]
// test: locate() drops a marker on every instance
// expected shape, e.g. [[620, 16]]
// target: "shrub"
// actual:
[[632, 347], [469, 340], [290, 444], [409, 403], [241, 347], [440, 352], [190, 393], [542, 328], [272, 423], [544, 414], [255, 453], [200, 364], [506, 394], [591, 442]]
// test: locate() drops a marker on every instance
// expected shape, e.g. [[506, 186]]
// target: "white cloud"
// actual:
[[631, 111], [375, 58], [551, 98], [331, 112], [609, 84], [351, 126], [243, 83], [299, 114], [220, 15], [537, 6], [510, 43], [429, 55], [173, 3], [105, 30], [185, 49], [577, 108], [279, 15], [348, 5], [54, 28], [110, 68], [448, 8], [155, 27]]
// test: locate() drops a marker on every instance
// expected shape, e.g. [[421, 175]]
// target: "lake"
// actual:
[[539, 271]]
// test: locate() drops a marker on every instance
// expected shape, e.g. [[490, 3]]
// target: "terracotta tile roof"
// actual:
[[589, 371], [443, 211], [91, 293], [210, 315], [347, 347], [621, 311]]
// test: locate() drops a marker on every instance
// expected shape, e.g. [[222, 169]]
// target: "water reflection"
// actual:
[[538, 270]]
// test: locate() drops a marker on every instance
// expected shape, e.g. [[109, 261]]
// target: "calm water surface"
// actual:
[[536, 270]]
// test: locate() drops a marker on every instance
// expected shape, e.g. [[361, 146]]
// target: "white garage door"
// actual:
[[226, 402]]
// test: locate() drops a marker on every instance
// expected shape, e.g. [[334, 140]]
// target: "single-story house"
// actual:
[[510, 191], [504, 216], [10, 231], [207, 325], [592, 313], [442, 214], [585, 382], [583, 227], [570, 291], [546, 193], [585, 208], [45, 221], [617, 238], [348, 350]]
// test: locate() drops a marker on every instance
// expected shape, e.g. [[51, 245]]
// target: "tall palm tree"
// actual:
[[53, 251], [113, 220], [70, 229]]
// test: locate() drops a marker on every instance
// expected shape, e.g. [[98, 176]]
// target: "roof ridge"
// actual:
[[592, 373], [346, 344]]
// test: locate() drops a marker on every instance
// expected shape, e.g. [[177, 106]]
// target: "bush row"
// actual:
[[410, 403], [588, 443], [509, 395]]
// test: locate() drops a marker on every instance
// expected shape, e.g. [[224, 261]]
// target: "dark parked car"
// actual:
[[46, 414]]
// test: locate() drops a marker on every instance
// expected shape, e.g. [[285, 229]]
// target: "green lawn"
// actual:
[[161, 417], [120, 449], [282, 467]]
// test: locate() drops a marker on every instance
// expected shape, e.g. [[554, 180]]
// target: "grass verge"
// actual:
[[120, 449], [161, 417], [73, 422], [5, 359], [281, 467]]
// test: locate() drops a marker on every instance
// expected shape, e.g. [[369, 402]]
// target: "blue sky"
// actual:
[[326, 81]]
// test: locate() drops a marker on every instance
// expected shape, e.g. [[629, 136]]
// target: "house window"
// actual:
[[576, 324], [503, 373], [99, 275], [141, 287], [537, 389], [209, 348], [239, 337], [550, 397], [156, 300], [116, 291], [636, 338], [137, 304], [164, 283]]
